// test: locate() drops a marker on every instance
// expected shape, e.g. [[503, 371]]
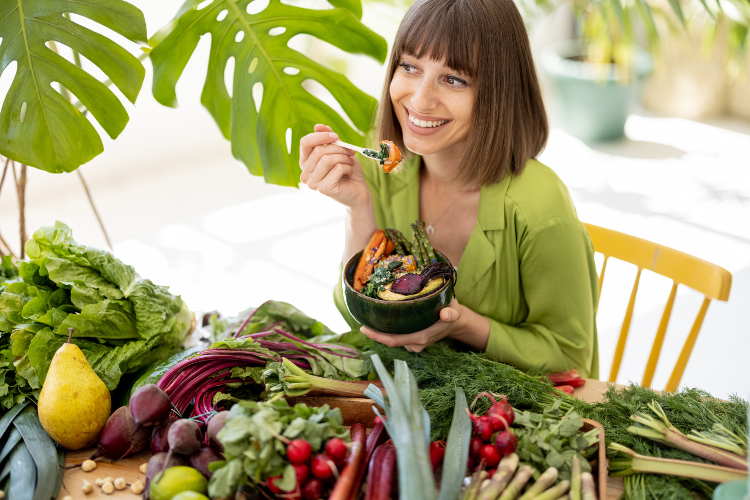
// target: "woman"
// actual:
[[462, 96]]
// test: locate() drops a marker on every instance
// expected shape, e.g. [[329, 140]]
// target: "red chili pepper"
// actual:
[[566, 388]]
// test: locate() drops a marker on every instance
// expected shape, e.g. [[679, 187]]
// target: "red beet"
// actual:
[[215, 424], [120, 436], [159, 441], [506, 443], [313, 489], [184, 437], [156, 464], [149, 405], [298, 451], [408, 284], [199, 461]]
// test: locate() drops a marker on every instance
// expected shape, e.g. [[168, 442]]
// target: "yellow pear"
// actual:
[[74, 403]]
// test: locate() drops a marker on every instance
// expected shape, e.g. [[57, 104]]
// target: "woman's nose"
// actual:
[[424, 97]]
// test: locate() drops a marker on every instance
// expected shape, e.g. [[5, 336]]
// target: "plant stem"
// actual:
[[633, 463], [298, 382], [21, 191], [93, 207]]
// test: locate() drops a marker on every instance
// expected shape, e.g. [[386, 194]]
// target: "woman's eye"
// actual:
[[407, 67], [455, 82]]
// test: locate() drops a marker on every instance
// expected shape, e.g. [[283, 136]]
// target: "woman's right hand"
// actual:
[[332, 170]]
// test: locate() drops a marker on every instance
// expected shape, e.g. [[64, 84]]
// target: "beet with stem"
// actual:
[[159, 442], [120, 436], [215, 424], [410, 283], [149, 405], [199, 461]]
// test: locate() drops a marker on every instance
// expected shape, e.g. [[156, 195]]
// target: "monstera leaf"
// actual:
[[38, 125], [258, 42]]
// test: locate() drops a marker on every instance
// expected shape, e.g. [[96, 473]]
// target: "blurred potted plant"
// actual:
[[598, 77]]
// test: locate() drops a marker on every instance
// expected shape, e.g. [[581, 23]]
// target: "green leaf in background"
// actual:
[[109, 319], [258, 43], [22, 474], [38, 125]]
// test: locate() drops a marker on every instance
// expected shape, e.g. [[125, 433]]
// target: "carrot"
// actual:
[[345, 485], [377, 436], [380, 475], [372, 253], [394, 156]]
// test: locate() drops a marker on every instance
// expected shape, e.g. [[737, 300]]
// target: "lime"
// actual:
[[176, 480], [189, 495]]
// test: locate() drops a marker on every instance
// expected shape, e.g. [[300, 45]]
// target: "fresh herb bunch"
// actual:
[[254, 438], [440, 368], [552, 439]]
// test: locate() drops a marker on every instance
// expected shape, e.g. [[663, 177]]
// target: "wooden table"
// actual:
[[128, 468]]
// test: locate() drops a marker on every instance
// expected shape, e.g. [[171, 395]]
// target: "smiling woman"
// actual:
[[463, 101]]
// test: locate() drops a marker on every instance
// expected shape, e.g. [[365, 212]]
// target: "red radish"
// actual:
[[302, 473], [159, 441], [497, 422], [345, 484], [199, 461], [120, 436], [437, 452], [149, 405], [506, 443], [491, 472], [313, 489], [215, 424], [298, 451], [475, 447], [272, 485], [482, 428], [336, 449], [501, 407], [321, 466], [490, 455], [471, 464]]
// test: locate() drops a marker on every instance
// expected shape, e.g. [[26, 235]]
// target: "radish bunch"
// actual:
[[315, 473], [493, 438]]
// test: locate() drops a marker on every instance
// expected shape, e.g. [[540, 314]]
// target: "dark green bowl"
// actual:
[[401, 316]]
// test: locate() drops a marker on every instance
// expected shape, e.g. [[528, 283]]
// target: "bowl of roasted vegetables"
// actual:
[[397, 286]]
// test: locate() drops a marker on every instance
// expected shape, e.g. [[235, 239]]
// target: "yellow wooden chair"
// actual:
[[711, 280]]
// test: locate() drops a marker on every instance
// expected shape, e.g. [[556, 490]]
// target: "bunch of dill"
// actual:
[[440, 368]]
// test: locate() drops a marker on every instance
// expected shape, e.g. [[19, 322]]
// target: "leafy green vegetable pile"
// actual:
[[254, 450], [439, 369], [121, 322], [552, 439]]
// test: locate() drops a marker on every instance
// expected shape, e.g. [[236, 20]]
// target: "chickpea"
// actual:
[[87, 487], [120, 483], [2, 494], [88, 465], [99, 481], [107, 488], [137, 487], [144, 467], [67, 497]]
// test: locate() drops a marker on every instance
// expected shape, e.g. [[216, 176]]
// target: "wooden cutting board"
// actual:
[[127, 468]]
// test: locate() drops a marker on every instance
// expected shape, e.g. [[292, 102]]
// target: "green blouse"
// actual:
[[528, 266]]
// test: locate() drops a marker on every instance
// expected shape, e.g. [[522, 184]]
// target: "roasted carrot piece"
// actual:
[[394, 156], [389, 247], [373, 251]]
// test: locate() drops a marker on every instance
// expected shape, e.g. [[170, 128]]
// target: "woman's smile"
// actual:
[[423, 124]]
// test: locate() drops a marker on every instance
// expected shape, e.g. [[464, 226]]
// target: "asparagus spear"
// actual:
[[546, 480], [575, 479], [419, 243], [476, 482], [555, 492], [500, 479], [391, 233], [426, 242], [587, 486], [516, 485]]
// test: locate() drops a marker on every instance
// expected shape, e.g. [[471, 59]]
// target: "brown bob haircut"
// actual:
[[486, 40]]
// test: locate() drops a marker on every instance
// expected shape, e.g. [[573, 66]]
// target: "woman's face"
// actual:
[[434, 105]]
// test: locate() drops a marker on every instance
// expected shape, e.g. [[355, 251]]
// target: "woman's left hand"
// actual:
[[416, 342]]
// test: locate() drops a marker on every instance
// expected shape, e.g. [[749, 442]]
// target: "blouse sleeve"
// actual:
[[559, 283]]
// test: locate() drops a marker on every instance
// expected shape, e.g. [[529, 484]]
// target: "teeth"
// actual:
[[425, 124]]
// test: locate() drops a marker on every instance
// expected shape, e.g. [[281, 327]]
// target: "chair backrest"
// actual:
[[683, 269]]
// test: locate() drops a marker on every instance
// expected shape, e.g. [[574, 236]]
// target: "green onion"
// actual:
[[629, 462], [664, 432], [456, 450]]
